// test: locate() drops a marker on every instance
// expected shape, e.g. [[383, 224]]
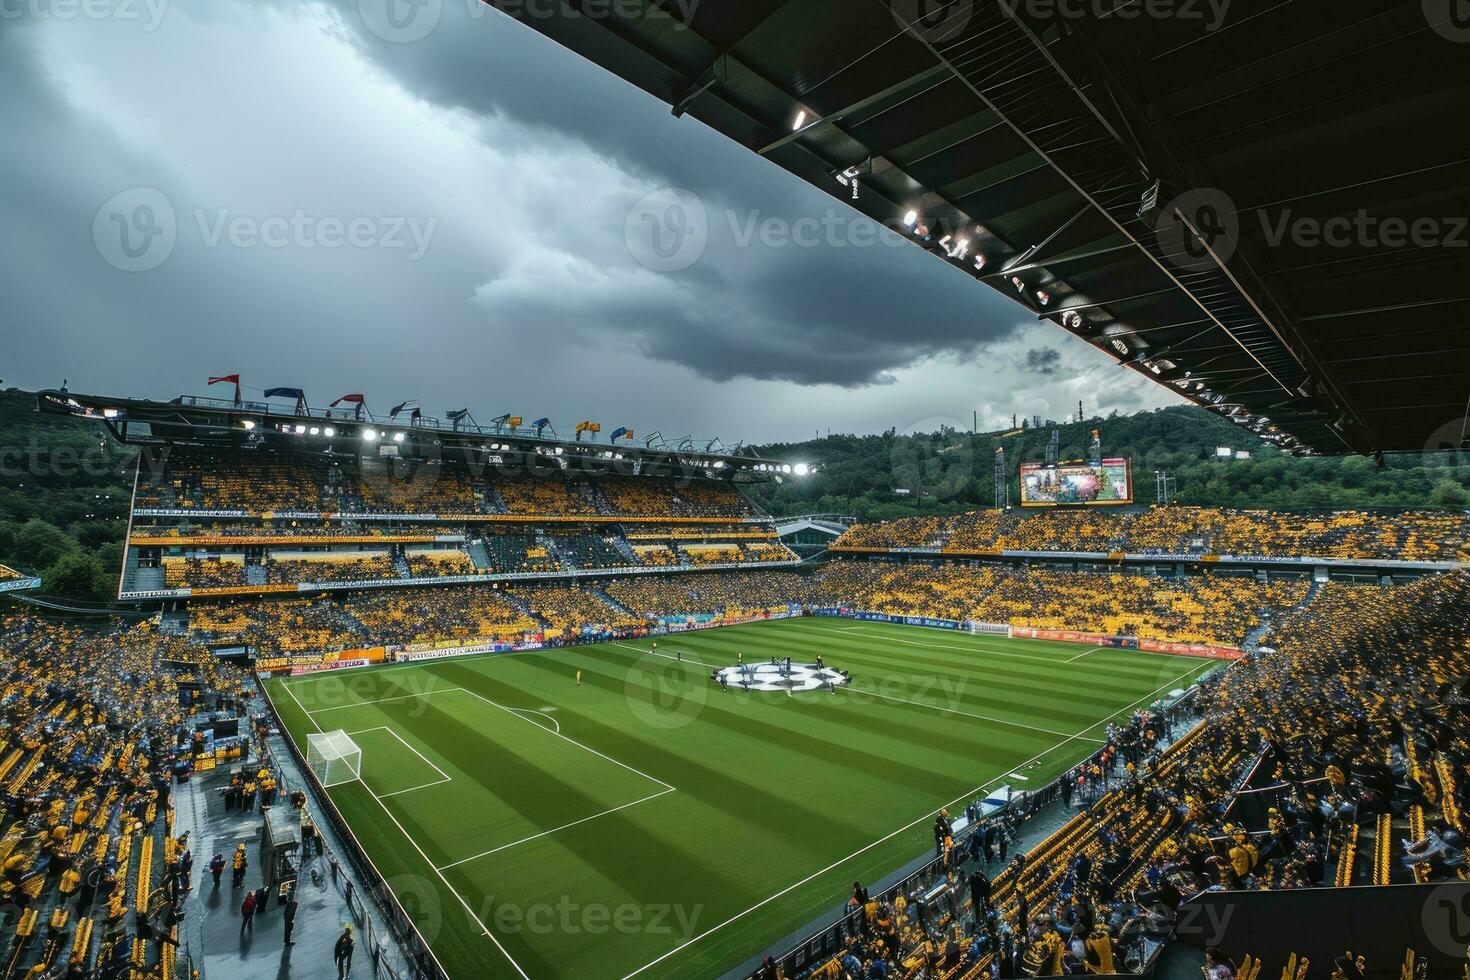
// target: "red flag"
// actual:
[[347, 398], [233, 379]]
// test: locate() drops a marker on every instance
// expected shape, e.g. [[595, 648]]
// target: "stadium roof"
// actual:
[[1135, 161], [226, 424]]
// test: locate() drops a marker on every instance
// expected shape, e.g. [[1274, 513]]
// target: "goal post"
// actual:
[[334, 758]]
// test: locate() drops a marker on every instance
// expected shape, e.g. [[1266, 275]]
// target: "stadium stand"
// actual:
[[94, 724], [1413, 536]]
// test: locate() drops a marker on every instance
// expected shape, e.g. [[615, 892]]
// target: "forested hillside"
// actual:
[[954, 471], [64, 491]]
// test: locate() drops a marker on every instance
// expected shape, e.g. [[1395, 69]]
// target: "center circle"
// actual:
[[781, 676]]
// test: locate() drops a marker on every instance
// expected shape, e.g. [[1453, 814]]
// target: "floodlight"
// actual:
[[910, 219], [248, 425], [329, 432], [301, 430], [802, 469], [315, 430], [368, 435], [398, 437]]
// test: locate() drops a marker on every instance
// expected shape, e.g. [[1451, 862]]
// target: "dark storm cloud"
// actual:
[[529, 164], [1045, 361], [830, 313]]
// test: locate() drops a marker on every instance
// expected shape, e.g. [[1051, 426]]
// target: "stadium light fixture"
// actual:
[[910, 219], [316, 430], [800, 120], [368, 435], [301, 430], [802, 469], [329, 432], [247, 425], [398, 437]]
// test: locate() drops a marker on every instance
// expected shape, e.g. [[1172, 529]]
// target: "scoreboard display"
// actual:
[[1107, 482]]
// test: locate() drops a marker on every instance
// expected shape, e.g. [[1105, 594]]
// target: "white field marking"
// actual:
[[287, 689], [1016, 775], [1083, 654], [682, 660], [452, 890], [512, 712], [978, 641], [397, 792], [906, 827], [970, 714], [444, 776], [988, 651], [401, 697], [993, 652], [523, 840], [555, 725]]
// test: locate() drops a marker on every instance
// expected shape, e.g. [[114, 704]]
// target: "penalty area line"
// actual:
[[544, 833]]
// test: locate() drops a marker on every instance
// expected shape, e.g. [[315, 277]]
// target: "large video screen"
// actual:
[[1110, 482]]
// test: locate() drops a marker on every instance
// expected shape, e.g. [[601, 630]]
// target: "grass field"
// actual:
[[645, 823]]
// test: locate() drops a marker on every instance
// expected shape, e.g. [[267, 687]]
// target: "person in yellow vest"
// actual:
[[1100, 951]]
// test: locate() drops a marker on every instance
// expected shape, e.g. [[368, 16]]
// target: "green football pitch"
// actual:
[[643, 822]]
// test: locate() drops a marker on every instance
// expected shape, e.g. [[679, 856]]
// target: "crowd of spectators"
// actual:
[[92, 725], [1414, 535], [1356, 722], [1213, 609]]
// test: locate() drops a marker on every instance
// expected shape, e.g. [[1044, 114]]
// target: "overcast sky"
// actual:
[[314, 195]]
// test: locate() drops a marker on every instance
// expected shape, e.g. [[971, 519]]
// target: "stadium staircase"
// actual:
[[400, 562], [475, 547], [590, 493], [524, 607], [615, 604], [137, 579], [548, 542], [256, 574], [624, 548], [490, 500]]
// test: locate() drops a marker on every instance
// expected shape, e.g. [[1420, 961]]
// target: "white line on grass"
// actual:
[[523, 840], [398, 792], [1083, 654], [906, 827], [452, 890], [555, 725], [969, 714], [392, 731], [651, 653], [414, 844], [401, 697], [564, 738]]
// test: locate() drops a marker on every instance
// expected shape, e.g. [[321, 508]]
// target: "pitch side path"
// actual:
[[646, 824]]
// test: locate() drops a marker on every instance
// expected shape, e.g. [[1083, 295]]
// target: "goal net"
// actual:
[[334, 758]]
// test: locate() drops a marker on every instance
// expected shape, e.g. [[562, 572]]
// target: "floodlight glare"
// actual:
[[398, 437], [368, 435], [802, 469], [329, 432]]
